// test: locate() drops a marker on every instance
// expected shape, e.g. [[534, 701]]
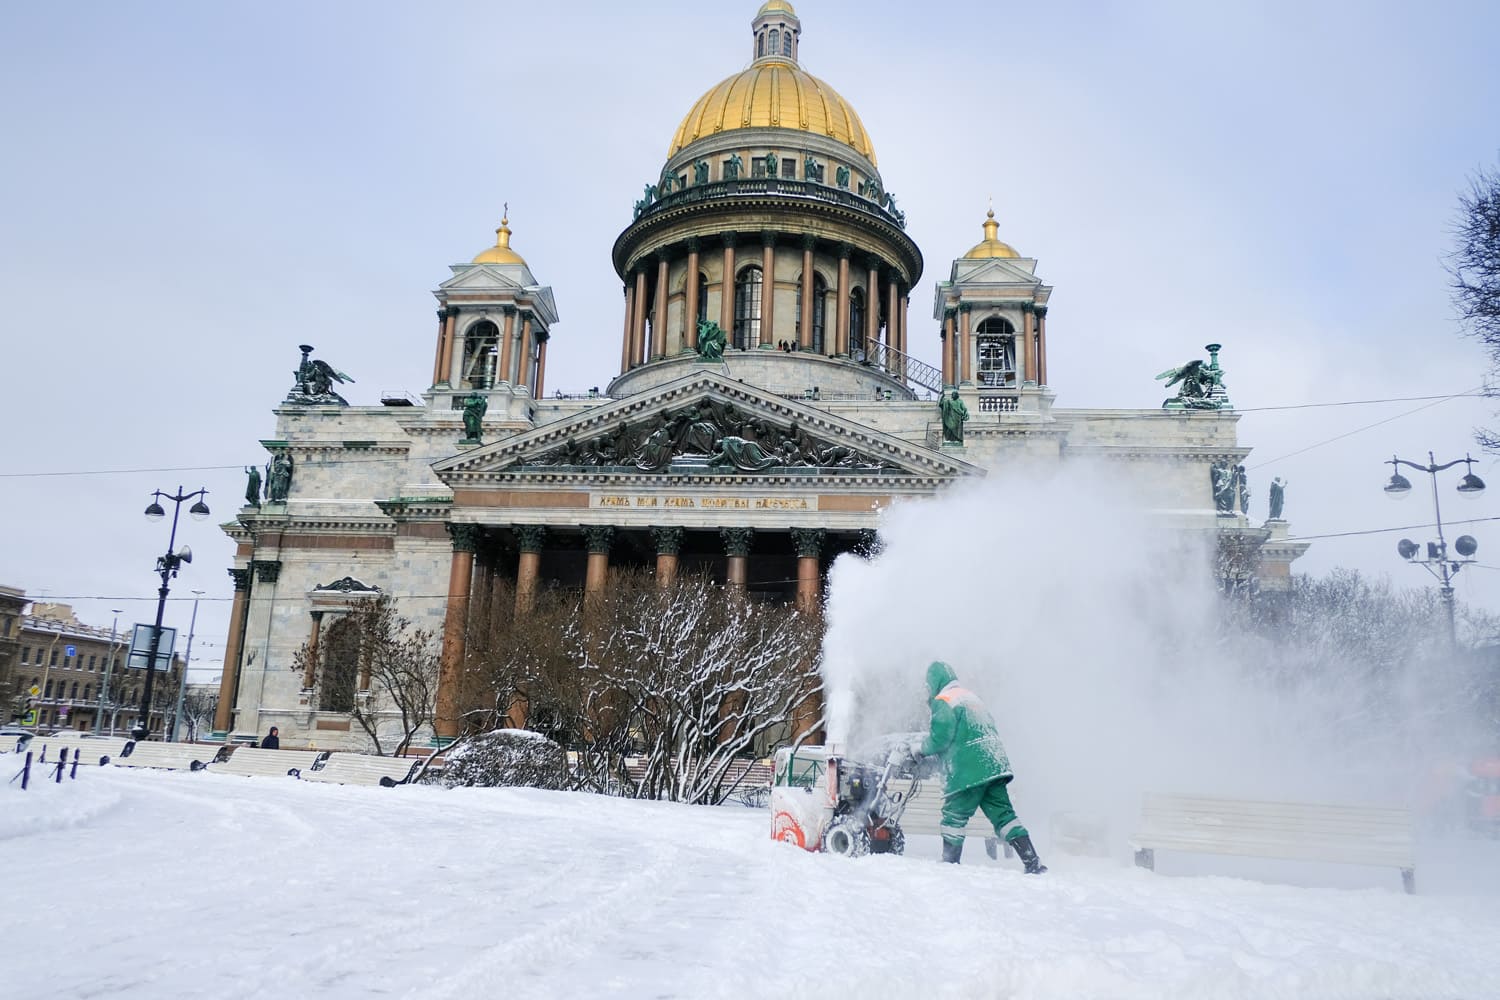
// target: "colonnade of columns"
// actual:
[[958, 343], [649, 331], [598, 539], [518, 342]]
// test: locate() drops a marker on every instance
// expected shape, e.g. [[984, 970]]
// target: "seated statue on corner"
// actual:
[[475, 407], [955, 414], [711, 341]]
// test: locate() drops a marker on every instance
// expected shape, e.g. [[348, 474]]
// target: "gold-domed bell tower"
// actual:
[[993, 316], [494, 323]]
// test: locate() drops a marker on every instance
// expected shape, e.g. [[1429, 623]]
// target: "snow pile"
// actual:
[[504, 758], [271, 887]]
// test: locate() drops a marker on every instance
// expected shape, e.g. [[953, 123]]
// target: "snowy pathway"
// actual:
[[130, 884]]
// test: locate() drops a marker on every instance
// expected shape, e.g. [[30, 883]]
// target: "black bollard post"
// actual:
[[62, 764], [26, 771], [73, 774]]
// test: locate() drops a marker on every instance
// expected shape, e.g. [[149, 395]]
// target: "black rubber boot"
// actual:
[[1027, 853], [952, 851]]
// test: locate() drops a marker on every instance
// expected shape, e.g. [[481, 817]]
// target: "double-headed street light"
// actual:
[[167, 566], [1438, 562]]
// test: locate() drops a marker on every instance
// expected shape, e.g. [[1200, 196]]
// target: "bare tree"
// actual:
[[662, 691], [198, 707], [392, 672], [1474, 269]]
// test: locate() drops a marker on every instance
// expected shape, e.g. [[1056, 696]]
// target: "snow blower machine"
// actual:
[[823, 801]]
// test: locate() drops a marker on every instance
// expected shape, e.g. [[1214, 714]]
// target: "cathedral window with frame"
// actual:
[[786, 43], [747, 296], [340, 668], [760, 46], [481, 355], [819, 312], [775, 41], [995, 341], [758, 166]]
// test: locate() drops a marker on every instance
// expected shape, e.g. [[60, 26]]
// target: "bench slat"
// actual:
[[362, 769], [252, 762]]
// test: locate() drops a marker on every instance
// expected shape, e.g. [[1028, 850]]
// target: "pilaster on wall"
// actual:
[[229, 679]]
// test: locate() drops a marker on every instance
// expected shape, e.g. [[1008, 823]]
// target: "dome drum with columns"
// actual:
[[760, 467]]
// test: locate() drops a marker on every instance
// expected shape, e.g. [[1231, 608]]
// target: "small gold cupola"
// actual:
[[991, 246], [501, 253]]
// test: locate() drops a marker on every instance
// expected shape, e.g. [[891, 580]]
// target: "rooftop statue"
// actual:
[[711, 341], [252, 486], [279, 477], [314, 382], [955, 414], [733, 167], [1202, 384], [1278, 498], [1222, 477], [475, 407]]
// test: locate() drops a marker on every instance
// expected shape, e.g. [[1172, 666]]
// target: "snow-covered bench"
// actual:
[[362, 769], [166, 756], [251, 762], [1291, 831]]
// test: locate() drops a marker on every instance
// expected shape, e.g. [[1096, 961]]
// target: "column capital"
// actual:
[[694, 244], [465, 536], [662, 257], [442, 312], [966, 307], [1027, 307], [598, 537], [846, 251], [267, 570], [1040, 310], [241, 578], [768, 237], [730, 237], [808, 542], [530, 537], [317, 616], [737, 541], [668, 540], [809, 241], [869, 544]]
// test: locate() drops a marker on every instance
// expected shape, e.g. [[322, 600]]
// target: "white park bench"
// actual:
[[361, 769], [166, 756], [88, 749], [251, 762], [924, 814], [1290, 831]]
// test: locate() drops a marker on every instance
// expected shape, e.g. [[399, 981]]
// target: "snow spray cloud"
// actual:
[[1091, 627]]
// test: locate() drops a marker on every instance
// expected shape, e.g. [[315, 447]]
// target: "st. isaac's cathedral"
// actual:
[[766, 410]]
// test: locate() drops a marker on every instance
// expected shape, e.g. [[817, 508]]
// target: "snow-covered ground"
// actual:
[[131, 884]]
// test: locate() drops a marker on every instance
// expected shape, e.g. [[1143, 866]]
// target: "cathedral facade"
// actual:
[[768, 407]]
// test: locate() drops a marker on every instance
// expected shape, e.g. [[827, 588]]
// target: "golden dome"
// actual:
[[774, 93], [991, 247], [501, 253], [775, 7]]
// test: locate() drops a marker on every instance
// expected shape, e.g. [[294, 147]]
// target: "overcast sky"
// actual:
[[190, 190]]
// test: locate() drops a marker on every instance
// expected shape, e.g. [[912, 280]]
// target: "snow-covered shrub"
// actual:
[[506, 757]]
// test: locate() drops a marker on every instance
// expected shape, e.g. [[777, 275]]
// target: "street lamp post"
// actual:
[[1438, 562], [167, 566]]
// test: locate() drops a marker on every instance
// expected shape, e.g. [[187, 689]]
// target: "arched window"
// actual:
[[747, 291], [702, 299], [995, 341], [73, 692], [775, 41], [88, 692], [786, 43], [760, 45], [340, 667], [856, 321], [481, 355], [819, 303], [47, 692]]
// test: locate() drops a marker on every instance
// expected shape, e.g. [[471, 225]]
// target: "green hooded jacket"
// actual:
[[963, 733]]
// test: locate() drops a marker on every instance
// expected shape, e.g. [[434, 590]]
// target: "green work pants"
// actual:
[[959, 807]]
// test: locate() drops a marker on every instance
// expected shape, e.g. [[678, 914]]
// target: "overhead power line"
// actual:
[[1359, 430]]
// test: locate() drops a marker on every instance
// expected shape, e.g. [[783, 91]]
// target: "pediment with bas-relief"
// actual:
[[704, 424]]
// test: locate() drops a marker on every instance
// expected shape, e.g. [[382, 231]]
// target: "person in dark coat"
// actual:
[[272, 741]]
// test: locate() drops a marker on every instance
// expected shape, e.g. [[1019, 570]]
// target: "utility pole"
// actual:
[[109, 669], [187, 662]]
